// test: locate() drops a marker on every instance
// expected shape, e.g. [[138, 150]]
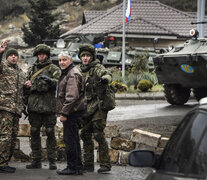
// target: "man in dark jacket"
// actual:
[[71, 104], [96, 78], [12, 81], [41, 104]]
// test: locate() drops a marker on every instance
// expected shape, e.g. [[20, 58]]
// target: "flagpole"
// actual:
[[123, 41]]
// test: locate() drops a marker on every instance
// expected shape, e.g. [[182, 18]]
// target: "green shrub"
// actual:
[[116, 77], [133, 79], [119, 86], [116, 74], [151, 77], [144, 85], [139, 63]]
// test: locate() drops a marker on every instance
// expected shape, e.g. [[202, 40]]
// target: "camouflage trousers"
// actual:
[[95, 126], [37, 120], [9, 126]]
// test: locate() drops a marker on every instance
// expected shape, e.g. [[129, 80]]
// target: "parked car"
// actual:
[[185, 155]]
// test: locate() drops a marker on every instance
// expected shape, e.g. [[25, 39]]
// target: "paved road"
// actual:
[[131, 114], [137, 109], [117, 173]]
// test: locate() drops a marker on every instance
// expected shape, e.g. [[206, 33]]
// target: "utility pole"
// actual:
[[123, 40], [201, 17]]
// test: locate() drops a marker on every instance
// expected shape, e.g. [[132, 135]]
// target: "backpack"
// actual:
[[105, 94], [108, 102]]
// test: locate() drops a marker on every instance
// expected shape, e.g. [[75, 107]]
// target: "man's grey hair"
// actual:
[[65, 54]]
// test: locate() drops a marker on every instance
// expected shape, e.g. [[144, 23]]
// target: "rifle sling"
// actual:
[[38, 72]]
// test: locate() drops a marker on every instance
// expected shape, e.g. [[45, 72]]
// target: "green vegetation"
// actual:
[[131, 84], [138, 78], [41, 22], [144, 85], [132, 81], [139, 63], [157, 88], [119, 86]]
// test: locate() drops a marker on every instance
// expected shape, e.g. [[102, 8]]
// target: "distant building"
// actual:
[[152, 24]]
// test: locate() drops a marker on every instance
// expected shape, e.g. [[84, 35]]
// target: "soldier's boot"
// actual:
[[12, 168], [67, 171], [104, 169], [35, 164], [88, 168], [7, 169], [52, 165]]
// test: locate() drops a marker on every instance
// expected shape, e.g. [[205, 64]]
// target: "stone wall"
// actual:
[[119, 146]]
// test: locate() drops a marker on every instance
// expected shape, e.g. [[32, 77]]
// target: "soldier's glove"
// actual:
[[104, 80], [46, 78]]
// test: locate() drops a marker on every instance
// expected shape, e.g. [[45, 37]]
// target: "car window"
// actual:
[[199, 164], [186, 151]]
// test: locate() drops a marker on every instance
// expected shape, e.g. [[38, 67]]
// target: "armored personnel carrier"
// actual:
[[182, 69], [106, 56]]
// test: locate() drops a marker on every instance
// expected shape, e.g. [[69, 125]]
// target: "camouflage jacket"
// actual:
[[93, 74], [41, 95], [71, 92], [12, 80]]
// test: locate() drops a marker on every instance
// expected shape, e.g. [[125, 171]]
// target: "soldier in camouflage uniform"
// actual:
[[12, 81], [41, 105], [96, 78]]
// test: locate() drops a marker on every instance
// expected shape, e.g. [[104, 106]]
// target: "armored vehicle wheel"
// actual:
[[176, 94], [200, 93]]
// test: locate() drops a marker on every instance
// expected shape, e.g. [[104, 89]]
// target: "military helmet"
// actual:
[[41, 48], [87, 48]]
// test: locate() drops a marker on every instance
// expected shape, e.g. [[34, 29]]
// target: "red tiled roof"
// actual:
[[147, 17]]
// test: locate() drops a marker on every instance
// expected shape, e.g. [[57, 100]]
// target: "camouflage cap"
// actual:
[[11, 51], [41, 48], [87, 48]]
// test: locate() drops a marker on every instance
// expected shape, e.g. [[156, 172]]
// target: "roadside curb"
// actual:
[[141, 96]]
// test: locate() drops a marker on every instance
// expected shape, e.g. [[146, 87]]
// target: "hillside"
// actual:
[[14, 12], [70, 11]]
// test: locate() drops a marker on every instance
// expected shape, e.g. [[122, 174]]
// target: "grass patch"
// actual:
[[157, 88]]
